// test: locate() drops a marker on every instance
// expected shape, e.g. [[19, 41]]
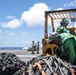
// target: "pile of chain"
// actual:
[[9, 64], [52, 65]]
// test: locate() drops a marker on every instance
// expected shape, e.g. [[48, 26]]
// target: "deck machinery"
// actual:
[[56, 15]]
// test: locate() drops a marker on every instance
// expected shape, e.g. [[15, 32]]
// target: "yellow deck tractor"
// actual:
[[56, 15]]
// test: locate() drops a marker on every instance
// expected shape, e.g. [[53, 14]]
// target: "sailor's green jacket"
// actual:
[[68, 47], [61, 29]]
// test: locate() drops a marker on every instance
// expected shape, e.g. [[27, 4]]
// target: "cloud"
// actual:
[[25, 33], [56, 23], [75, 24], [59, 9], [27, 43], [11, 24], [35, 15], [11, 33], [70, 4], [10, 17], [1, 34], [0, 23]]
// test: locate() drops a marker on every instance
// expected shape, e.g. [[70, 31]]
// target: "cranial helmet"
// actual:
[[64, 21], [53, 37]]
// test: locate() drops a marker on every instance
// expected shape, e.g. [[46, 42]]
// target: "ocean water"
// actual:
[[11, 48], [15, 48]]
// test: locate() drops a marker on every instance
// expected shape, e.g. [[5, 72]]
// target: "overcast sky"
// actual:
[[22, 21]]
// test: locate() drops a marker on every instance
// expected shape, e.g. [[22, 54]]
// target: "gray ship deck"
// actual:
[[24, 55]]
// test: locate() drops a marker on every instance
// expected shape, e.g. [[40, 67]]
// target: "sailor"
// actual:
[[33, 47], [62, 28], [38, 47], [66, 43]]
